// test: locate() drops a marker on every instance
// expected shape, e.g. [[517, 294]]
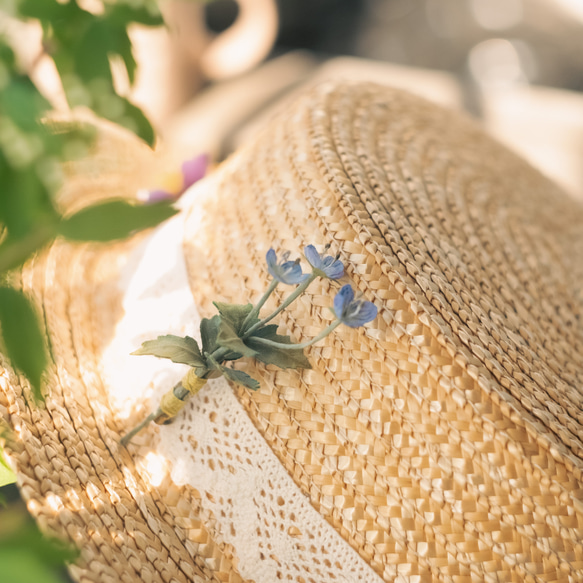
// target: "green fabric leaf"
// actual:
[[209, 330], [272, 355], [228, 338], [232, 356], [114, 219], [176, 348], [7, 476], [269, 332], [240, 377], [235, 314], [24, 341], [282, 358]]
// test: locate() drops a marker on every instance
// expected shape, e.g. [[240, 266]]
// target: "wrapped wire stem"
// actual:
[[171, 404]]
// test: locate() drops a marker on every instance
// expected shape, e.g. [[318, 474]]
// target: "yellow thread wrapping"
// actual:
[[170, 404], [192, 383]]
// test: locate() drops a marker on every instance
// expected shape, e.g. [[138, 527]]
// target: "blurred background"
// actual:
[[217, 68], [210, 74], [515, 64]]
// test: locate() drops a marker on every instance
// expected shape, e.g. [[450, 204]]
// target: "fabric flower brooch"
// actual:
[[238, 331]]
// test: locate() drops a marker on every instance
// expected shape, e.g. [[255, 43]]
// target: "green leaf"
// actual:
[[91, 55], [81, 44], [134, 119], [23, 103], [228, 338], [270, 333], [14, 252], [177, 349], [209, 330], [272, 355], [25, 344], [114, 219], [7, 476], [240, 377], [235, 314], [22, 566], [124, 49], [281, 358], [122, 14], [25, 202], [41, 9]]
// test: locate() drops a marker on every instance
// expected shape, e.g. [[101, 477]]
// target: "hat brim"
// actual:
[[443, 441]]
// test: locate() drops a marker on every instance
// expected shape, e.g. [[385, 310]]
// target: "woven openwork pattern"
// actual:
[[444, 441]]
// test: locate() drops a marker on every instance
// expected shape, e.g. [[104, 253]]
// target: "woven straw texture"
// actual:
[[443, 442], [79, 483]]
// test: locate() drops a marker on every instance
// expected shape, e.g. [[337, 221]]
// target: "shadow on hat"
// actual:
[[441, 442]]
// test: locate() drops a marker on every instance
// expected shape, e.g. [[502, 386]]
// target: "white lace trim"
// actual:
[[214, 447]]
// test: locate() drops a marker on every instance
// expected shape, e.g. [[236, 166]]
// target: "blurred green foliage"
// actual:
[[25, 555], [83, 45]]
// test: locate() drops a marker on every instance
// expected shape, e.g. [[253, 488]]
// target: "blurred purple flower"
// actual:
[[193, 170], [158, 195], [178, 182]]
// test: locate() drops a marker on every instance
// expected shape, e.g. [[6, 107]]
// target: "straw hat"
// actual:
[[441, 442]]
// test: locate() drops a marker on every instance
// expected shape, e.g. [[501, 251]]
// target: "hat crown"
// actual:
[[482, 247]]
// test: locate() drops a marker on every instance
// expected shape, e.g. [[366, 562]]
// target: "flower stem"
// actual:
[[317, 338], [128, 436], [218, 354], [179, 391], [294, 295], [255, 311]]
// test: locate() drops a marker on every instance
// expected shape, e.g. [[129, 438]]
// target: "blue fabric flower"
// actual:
[[288, 272], [353, 313], [324, 266]]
